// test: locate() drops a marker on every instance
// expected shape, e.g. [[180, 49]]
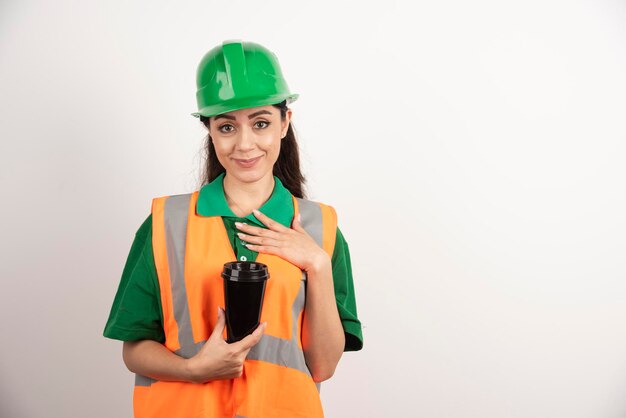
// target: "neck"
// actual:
[[243, 197]]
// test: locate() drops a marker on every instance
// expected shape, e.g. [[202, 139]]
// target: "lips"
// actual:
[[247, 163]]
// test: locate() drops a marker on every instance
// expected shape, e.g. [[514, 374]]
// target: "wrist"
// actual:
[[319, 264], [189, 371]]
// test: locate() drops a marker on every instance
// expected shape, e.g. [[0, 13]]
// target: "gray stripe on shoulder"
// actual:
[[311, 219]]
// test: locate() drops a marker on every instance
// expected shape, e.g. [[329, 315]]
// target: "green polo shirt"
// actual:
[[136, 313]]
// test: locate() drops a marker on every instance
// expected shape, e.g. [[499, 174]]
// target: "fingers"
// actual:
[[251, 340], [266, 249], [297, 223], [256, 231], [269, 222], [219, 325], [259, 240]]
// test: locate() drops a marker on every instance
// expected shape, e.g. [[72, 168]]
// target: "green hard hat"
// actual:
[[238, 75]]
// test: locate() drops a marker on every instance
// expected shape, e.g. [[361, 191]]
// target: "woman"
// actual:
[[168, 308]]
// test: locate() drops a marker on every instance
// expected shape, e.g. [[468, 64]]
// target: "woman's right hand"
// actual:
[[219, 360]]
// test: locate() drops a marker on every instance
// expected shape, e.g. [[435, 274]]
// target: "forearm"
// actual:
[[323, 338], [152, 359]]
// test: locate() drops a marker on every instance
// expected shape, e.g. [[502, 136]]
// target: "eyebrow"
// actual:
[[250, 116]]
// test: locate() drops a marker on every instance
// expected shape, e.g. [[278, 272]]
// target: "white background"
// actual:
[[474, 152]]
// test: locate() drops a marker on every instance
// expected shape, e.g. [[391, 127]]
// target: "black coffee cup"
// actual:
[[244, 289]]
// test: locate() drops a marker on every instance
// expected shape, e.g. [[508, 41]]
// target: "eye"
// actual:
[[223, 129], [261, 124]]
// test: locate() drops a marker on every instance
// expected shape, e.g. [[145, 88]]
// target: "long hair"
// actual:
[[286, 168]]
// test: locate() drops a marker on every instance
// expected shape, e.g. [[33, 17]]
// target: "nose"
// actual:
[[245, 139]]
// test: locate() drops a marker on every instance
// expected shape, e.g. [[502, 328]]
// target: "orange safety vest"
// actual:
[[189, 252]]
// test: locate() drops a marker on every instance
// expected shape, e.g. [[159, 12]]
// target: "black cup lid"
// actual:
[[245, 271]]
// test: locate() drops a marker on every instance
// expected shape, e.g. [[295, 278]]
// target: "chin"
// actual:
[[249, 176]]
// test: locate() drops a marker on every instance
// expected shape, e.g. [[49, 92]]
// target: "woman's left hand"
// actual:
[[291, 244]]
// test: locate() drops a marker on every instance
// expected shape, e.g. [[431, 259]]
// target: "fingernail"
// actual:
[[256, 211]]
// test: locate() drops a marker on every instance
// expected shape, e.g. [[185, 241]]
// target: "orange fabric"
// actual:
[[283, 393], [329, 222], [185, 400], [265, 390]]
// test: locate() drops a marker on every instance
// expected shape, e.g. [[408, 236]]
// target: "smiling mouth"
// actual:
[[247, 163], [249, 160]]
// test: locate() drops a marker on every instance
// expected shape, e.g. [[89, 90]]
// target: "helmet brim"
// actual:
[[243, 103]]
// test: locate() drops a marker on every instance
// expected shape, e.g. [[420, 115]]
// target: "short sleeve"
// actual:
[[136, 312], [345, 295]]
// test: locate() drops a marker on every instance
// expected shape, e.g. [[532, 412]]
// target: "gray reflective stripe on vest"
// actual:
[[311, 219], [269, 349], [143, 380]]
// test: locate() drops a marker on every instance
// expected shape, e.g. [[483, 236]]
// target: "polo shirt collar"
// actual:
[[212, 202]]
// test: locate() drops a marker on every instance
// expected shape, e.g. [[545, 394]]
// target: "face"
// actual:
[[247, 141]]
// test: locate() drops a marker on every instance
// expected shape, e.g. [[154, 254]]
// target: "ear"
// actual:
[[285, 123]]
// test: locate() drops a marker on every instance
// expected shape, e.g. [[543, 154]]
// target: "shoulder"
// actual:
[[320, 221], [173, 203], [145, 229], [179, 196], [317, 212], [315, 207]]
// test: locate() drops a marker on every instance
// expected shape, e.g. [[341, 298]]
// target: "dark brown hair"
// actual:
[[286, 168]]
